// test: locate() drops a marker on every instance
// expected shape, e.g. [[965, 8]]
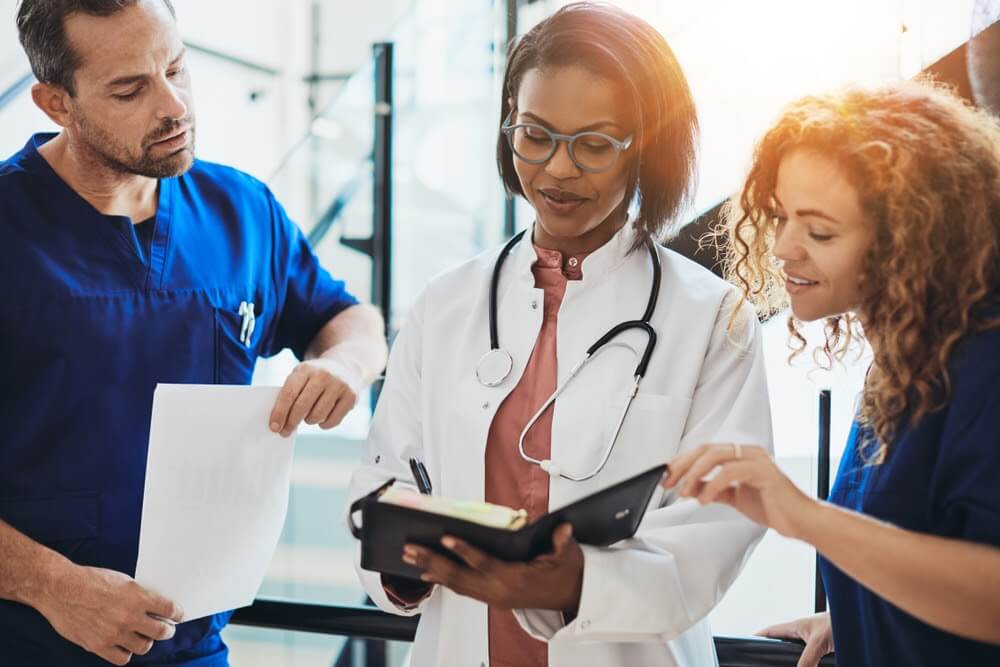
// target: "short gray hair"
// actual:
[[41, 27]]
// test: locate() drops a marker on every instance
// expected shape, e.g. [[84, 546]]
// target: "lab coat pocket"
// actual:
[[61, 523], [237, 335]]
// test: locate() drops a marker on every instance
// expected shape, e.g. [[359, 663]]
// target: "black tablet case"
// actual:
[[600, 519]]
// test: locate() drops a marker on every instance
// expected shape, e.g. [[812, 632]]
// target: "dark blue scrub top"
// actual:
[[941, 477], [90, 322]]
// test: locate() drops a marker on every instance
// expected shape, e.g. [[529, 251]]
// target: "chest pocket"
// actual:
[[124, 340], [649, 435], [869, 489], [239, 330]]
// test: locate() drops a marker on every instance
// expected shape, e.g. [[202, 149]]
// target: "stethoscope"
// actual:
[[496, 365]]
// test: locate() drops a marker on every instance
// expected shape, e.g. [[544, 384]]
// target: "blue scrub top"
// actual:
[[941, 477], [91, 319]]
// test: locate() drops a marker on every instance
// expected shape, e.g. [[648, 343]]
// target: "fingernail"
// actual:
[[408, 559], [425, 577], [448, 542], [409, 551], [275, 426]]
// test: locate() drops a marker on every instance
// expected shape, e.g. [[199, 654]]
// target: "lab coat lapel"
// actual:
[[519, 319]]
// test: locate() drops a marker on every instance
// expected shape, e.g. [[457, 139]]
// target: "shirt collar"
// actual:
[[596, 266]]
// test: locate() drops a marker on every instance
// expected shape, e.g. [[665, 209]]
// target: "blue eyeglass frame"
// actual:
[[620, 146]]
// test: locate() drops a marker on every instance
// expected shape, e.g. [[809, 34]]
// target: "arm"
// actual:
[[950, 580], [102, 611], [396, 435], [26, 567], [668, 577], [356, 335], [951, 584], [948, 583], [341, 342], [345, 356]]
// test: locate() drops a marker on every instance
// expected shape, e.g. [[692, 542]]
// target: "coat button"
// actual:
[[486, 405], [377, 459], [585, 625], [534, 305]]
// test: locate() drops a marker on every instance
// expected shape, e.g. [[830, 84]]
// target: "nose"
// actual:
[[172, 104], [788, 243], [561, 165]]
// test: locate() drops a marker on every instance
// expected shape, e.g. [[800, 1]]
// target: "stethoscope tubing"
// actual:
[[600, 344]]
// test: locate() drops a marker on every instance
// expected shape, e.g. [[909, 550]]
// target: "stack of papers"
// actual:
[[485, 514], [216, 496]]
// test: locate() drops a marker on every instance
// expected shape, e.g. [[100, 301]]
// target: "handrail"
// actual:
[[232, 59], [347, 192], [7, 96], [349, 621], [372, 623]]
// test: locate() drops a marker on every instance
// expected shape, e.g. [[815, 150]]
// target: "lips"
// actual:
[[178, 138], [796, 284], [561, 196], [561, 202]]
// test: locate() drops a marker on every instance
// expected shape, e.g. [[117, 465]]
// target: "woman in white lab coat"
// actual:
[[596, 115]]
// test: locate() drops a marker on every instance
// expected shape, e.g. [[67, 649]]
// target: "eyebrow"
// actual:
[[590, 128], [136, 78], [810, 212]]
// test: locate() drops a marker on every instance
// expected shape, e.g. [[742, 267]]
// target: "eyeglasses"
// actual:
[[592, 152]]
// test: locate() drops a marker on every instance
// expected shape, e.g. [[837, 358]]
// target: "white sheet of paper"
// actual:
[[216, 496]]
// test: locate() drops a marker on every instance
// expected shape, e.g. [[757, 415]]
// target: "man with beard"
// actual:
[[125, 262]]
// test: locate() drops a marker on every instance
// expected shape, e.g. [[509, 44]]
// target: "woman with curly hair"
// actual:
[[879, 211]]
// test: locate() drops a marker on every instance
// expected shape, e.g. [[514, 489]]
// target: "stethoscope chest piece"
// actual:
[[494, 367]]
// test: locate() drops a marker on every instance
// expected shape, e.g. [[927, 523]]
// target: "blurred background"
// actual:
[[375, 124]]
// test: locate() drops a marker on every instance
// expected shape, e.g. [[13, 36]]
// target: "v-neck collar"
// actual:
[[119, 228]]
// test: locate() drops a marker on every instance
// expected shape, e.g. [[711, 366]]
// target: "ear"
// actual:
[[53, 100]]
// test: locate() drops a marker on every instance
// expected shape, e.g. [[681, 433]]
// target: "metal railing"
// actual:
[[10, 94], [372, 623]]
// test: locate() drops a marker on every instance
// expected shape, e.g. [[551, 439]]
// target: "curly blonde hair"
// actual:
[[926, 168]]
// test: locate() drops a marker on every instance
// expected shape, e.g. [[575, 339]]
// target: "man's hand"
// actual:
[[107, 613], [553, 581], [319, 391]]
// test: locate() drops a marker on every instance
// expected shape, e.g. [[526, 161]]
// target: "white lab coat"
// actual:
[[644, 600]]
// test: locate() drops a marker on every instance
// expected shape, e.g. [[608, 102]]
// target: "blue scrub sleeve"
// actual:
[[966, 484], [309, 296]]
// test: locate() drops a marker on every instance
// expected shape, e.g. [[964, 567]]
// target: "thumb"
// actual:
[[812, 654], [163, 608], [562, 537]]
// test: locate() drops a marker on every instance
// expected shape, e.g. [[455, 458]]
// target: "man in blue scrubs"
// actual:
[[125, 262]]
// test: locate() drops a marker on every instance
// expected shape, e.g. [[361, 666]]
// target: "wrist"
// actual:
[[570, 605], [45, 580], [808, 521], [345, 364]]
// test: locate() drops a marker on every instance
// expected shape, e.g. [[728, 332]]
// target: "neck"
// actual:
[[109, 191], [585, 243]]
